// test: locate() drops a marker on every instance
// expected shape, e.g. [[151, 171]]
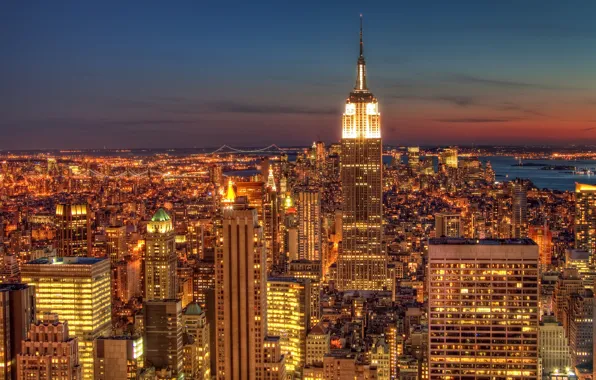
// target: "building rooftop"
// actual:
[[12, 287], [464, 241], [71, 260], [193, 309], [160, 216]]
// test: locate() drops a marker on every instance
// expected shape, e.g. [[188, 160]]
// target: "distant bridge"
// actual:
[[226, 149]]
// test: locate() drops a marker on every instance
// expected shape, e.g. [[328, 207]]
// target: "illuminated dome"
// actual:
[[160, 216], [160, 223]]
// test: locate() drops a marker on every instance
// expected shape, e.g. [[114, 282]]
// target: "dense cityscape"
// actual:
[[336, 261]]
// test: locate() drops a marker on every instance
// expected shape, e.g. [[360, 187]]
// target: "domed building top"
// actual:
[[193, 309], [160, 216], [160, 223]]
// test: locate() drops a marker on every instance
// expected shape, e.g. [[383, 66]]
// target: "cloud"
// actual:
[[476, 120], [470, 79], [589, 129], [460, 101], [509, 106], [151, 122], [269, 109]]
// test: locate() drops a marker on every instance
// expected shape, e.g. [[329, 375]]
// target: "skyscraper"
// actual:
[[240, 287], [77, 289], [288, 316], [361, 264], [448, 157], [73, 230], [483, 307], [448, 225], [544, 238], [17, 312], [519, 201], [49, 352], [163, 336], [309, 225], [413, 156], [116, 243], [160, 258], [195, 323], [118, 357], [554, 346], [585, 218]]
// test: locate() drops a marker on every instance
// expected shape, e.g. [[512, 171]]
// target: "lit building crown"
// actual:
[[230, 194], [361, 118]]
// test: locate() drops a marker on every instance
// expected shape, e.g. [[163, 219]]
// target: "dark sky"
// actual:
[[87, 74]]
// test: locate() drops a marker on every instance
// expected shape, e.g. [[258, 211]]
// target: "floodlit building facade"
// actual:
[[362, 263], [288, 316], [483, 309], [73, 229], [77, 289], [160, 258], [585, 218], [49, 352]]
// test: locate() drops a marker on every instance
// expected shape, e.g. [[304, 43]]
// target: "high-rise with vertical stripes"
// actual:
[[361, 263]]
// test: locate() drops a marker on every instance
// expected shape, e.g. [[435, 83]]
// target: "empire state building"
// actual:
[[361, 263]]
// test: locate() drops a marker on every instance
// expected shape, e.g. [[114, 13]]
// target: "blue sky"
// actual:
[[186, 73]]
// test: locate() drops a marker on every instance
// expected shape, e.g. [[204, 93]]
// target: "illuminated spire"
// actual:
[[361, 77], [271, 180], [231, 194]]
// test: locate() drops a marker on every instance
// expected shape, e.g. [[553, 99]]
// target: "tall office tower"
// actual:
[[255, 193], [73, 230], [274, 363], [195, 323], [569, 283], [240, 287], [118, 357], [271, 223], [203, 280], [116, 243], [309, 225], [413, 156], [395, 342], [216, 175], [160, 258], [126, 279], [380, 357], [448, 225], [17, 312], [318, 344], [49, 352], [483, 306], [77, 289], [163, 336], [502, 217], [9, 269], [580, 316], [362, 262], [544, 238], [554, 347], [305, 269], [448, 157], [320, 153], [519, 221], [289, 231], [585, 218], [288, 316]]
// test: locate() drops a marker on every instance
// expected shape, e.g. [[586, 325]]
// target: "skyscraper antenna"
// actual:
[[361, 43]]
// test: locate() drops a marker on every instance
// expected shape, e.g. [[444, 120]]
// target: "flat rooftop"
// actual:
[[464, 241], [12, 287], [71, 260]]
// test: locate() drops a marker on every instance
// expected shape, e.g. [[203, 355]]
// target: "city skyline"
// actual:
[[174, 77]]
